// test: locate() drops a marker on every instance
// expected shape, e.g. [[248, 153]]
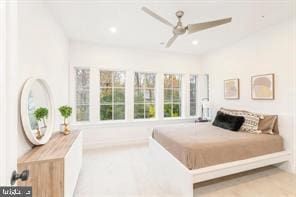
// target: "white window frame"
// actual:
[[196, 96], [155, 98], [94, 100], [182, 91], [99, 95], [75, 98], [204, 91]]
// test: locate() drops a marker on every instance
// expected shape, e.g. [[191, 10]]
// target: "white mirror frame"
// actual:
[[24, 111]]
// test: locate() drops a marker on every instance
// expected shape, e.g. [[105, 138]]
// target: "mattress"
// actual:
[[202, 145]]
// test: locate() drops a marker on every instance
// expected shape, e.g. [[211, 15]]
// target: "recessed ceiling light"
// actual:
[[113, 29], [194, 42]]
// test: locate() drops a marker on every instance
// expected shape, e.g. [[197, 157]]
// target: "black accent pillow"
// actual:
[[227, 121]]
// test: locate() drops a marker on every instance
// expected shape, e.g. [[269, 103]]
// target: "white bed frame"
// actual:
[[177, 181]]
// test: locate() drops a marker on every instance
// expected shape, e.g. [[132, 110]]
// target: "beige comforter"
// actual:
[[202, 145]]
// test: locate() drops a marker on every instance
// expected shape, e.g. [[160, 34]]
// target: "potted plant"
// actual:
[[66, 112], [41, 115]]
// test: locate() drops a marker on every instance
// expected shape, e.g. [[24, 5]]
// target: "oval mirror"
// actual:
[[37, 112]]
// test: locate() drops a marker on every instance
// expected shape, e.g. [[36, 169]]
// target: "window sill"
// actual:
[[125, 123]]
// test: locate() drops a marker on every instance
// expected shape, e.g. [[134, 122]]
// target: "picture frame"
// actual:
[[262, 87], [232, 89]]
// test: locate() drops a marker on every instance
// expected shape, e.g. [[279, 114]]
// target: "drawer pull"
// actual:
[[15, 176]]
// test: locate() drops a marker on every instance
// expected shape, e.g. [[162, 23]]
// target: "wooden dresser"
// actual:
[[54, 167]]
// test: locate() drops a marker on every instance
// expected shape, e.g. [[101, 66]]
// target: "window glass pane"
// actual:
[[192, 79], [193, 90], [119, 112], [139, 96], [144, 95], [119, 79], [150, 111], [139, 80], [176, 110], [168, 93], [82, 94], [139, 111], [149, 96], [106, 78], [172, 95], [82, 78], [119, 95], [82, 97], [192, 109], [167, 110], [112, 99], [192, 95], [176, 95], [176, 81], [106, 112], [150, 80], [106, 95], [167, 81], [82, 112]]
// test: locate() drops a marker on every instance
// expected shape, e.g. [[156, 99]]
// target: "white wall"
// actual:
[[107, 57], [43, 52], [269, 51], [88, 54], [9, 96]]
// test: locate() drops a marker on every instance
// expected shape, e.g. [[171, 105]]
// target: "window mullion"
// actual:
[[94, 83], [129, 96], [144, 101], [172, 99], [196, 95], [112, 101]]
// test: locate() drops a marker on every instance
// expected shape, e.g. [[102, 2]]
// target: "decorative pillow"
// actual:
[[269, 125], [227, 121], [231, 111], [251, 120]]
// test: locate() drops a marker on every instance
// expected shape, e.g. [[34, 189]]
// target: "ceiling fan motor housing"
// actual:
[[179, 30], [179, 13]]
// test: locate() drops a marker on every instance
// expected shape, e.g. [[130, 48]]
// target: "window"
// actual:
[[204, 94], [82, 94], [193, 92], [112, 95], [104, 98], [144, 95], [172, 95]]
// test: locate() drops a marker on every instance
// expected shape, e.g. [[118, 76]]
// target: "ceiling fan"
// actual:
[[179, 29]]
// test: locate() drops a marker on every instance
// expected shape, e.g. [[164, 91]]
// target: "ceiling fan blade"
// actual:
[[156, 16], [201, 26], [171, 40]]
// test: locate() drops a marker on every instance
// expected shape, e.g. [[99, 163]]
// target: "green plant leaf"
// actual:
[[65, 111]]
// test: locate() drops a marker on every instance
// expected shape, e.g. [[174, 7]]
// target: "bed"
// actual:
[[205, 145], [184, 155]]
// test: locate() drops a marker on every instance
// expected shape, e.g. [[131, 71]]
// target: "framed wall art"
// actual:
[[262, 87], [231, 89]]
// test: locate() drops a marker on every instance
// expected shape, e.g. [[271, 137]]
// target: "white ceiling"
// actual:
[[90, 20]]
